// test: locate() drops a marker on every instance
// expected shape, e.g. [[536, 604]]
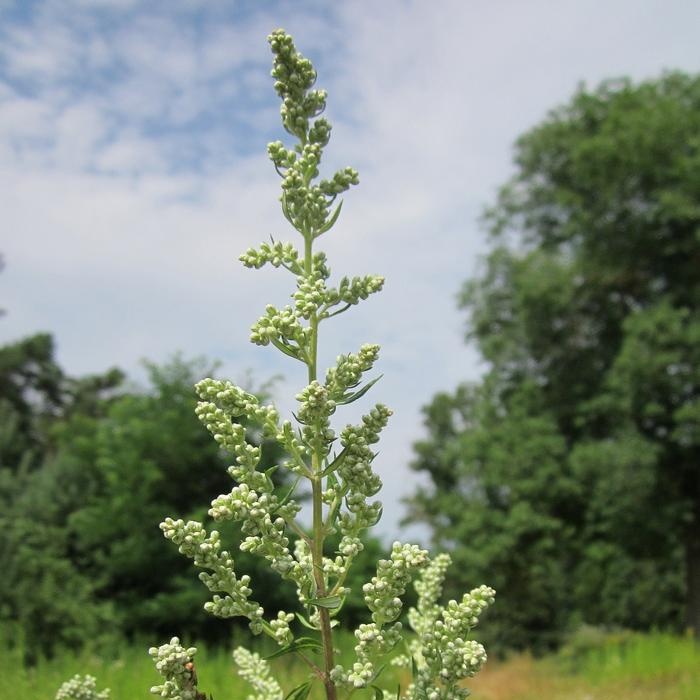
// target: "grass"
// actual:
[[592, 667], [622, 666]]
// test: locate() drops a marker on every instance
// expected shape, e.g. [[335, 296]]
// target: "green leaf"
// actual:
[[285, 210], [286, 349], [331, 222], [335, 463], [301, 692], [331, 602], [378, 693], [358, 394], [289, 493], [296, 645], [377, 673], [305, 622]]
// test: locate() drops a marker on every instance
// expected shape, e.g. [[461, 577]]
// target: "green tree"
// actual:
[[87, 470], [573, 470], [145, 456], [36, 495]]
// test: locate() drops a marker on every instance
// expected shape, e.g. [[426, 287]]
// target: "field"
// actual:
[[622, 667]]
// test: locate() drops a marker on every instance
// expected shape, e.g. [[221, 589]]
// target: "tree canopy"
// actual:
[[569, 478]]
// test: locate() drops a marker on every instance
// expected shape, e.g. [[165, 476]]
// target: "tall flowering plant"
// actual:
[[336, 467]]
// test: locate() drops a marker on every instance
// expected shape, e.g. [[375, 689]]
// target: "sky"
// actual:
[[133, 172]]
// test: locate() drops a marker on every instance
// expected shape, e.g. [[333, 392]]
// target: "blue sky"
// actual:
[[133, 170]]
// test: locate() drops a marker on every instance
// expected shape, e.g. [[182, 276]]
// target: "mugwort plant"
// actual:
[[336, 467]]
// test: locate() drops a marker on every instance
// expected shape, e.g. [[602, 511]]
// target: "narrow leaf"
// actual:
[[296, 645], [359, 394], [335, 463], [305, 622], [377, 673], [331, 602], [378, 693], [285, 210], [301, 692], [286, 349], [289, 493], [331, 222], [296, 418]]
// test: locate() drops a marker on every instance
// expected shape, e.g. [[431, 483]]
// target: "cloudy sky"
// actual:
[[133, 170]]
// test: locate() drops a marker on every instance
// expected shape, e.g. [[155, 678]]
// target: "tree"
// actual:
[[35, 497], [578, 455], [87, 471]]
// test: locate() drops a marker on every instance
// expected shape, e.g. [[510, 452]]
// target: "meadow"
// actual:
[[591, 667]]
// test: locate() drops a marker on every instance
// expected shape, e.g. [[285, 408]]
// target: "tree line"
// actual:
[[569, 476]]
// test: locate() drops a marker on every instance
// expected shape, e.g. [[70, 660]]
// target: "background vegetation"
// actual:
[[568, 478], [570, 475]]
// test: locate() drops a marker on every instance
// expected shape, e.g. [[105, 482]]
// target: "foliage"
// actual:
[[336, 467], [79, 512], [570, 473], [36, 495]]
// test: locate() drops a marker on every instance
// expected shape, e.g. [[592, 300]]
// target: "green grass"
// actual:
[[593, 667], [597, 666], [641, 657], [130, 673]]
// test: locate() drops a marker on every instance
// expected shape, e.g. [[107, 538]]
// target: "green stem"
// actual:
[[319, 529]]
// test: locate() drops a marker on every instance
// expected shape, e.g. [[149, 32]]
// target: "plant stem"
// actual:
[[316, 489]]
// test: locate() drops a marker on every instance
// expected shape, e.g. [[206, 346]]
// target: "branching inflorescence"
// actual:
[[338, 468]]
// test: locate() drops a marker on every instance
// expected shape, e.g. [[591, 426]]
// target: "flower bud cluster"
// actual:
[[257, 672], [320, 132], [315, 410], [280, 627], [373, 640], [280, 327], [352, 290], [320, 265], [221, 401], [383, 597], [356, 466], [383, 593], [302, 554], [205, 550], [340, 182], [310, 294], [175, 664], [234, 402], [81, 688], [442, 652], [264, 523], [294, 77], [429, 589], [282, 157], [278, 255], [293, 446], [349, 369], [306, 206]]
